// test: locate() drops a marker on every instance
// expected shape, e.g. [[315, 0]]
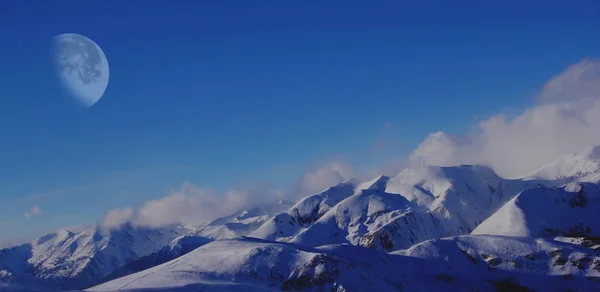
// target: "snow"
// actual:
[[458, 228], [583, 166], [395, 213], [284, 226], [67, 259], [544, 211], [462, 263], [250, 263]]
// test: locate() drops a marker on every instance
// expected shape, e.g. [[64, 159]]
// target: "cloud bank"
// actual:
[[581, 80], [566, 119], [322, 177], [189, 205]]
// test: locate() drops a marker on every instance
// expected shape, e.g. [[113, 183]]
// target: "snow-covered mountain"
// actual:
[[395, 213], [466, 263], [570, 210], [236, 225], [241, 223], [178, 247], [68, 259], [360, 218], [286, 225], [582, 166], [406, 232]]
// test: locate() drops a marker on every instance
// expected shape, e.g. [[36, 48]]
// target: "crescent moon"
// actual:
[[82, 67]]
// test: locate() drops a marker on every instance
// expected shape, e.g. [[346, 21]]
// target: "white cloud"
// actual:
[[581, 80], [190, 205], [114, 218], [323, 176], [195, 205], [567, 121], [35, 210]]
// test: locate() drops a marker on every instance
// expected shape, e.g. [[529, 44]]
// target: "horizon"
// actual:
[[230, 110]]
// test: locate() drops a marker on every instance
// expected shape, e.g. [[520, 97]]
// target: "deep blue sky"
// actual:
[[234, 92]]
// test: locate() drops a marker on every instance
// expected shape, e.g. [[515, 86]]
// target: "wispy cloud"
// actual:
[[323, 176], [35, 210], [566, 120], [580, 80], [190, 204]]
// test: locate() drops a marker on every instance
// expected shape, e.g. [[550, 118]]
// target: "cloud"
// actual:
[[323, 176], [567, 120], [195, 205], [581, 80], [190, 204], [116, 217], [35, 210]]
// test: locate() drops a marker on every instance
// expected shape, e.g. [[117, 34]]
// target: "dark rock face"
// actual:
[[377, 240], [320, 272], [579, 200]]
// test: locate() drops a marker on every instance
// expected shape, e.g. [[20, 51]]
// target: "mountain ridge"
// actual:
[[397, 216]]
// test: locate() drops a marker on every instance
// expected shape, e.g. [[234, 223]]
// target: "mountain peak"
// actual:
[[378, 183], [583, 165]]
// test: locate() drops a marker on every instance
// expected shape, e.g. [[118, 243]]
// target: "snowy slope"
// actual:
[[543, 211], [236, 225], [286, 225], [178, 247], [489, 262], [250, 265], [241, 223], [465, 263], [371, 217], [582, 166], [395, 213], [460, 196], [68, 259], [377, 235]]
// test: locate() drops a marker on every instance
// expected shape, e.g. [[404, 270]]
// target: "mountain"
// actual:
[[395, 213], [570, 210], [461, 197], [240, 223], [236, 225], [501, 263], [465, 263], [284, 226], [564, 203], [458, 228], [582, 166], [178, 247], [359, 219], [71, 260]]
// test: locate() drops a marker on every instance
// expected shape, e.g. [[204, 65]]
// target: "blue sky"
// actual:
[[239, 92]]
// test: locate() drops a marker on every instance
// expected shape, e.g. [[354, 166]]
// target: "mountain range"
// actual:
[[459, 228]]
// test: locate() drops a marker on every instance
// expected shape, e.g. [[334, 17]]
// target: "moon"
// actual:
[[82, 67]]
